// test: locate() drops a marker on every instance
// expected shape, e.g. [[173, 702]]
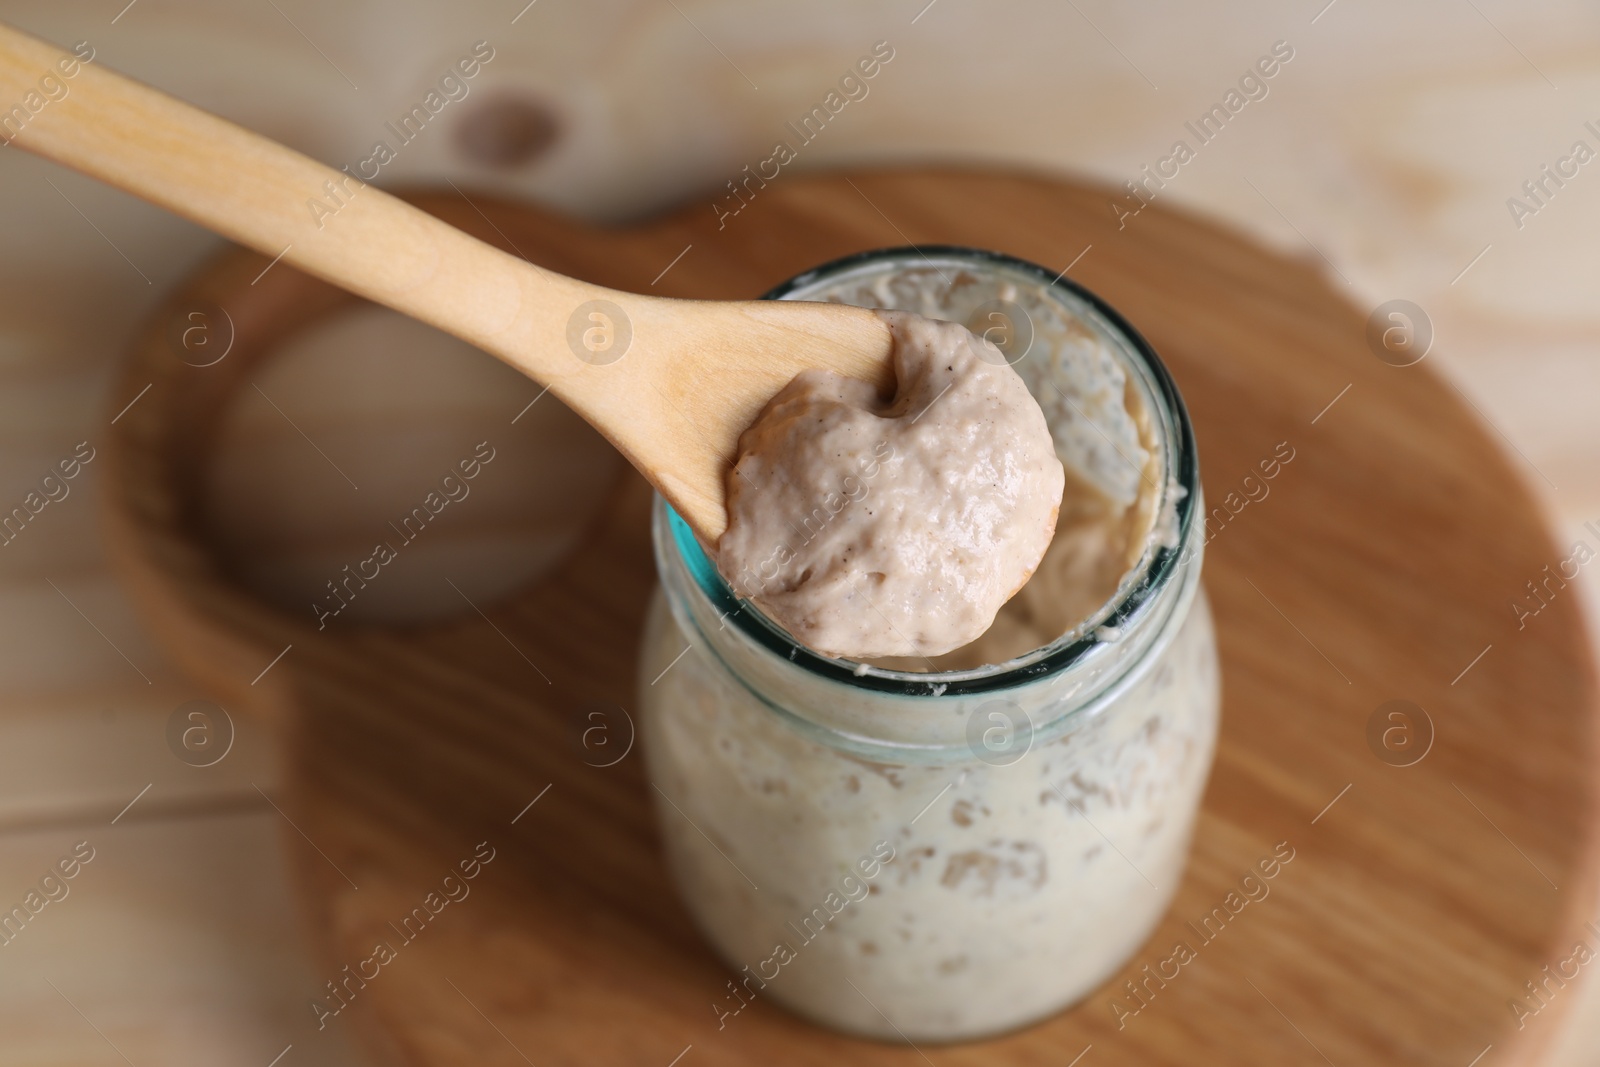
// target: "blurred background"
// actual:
[[1388, 151]]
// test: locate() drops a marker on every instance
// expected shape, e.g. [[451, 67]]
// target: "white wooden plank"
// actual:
[[176, 942]]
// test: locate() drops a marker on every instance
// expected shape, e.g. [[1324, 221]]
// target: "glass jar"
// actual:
[[926, 855]]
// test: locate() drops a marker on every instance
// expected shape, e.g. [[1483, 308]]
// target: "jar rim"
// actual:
[[1159, 565]]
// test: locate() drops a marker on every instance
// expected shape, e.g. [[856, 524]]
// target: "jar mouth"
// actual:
[[1157, 566]]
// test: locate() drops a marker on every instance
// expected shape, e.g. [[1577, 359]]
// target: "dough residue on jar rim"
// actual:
[[870, 529]]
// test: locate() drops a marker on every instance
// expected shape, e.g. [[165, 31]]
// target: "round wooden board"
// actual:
[[1380, 567]]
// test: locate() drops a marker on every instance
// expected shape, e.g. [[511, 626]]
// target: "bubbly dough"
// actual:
[[868, 529], [1015, 887]]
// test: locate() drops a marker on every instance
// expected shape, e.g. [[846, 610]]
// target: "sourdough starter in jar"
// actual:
[[940, 849]]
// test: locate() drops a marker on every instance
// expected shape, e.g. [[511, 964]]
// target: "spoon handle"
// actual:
[[700, 370]]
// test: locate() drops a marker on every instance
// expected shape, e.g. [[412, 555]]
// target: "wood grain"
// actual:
[[1379, 567]]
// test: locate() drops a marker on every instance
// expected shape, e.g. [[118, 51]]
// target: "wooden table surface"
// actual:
[[1384, 157]]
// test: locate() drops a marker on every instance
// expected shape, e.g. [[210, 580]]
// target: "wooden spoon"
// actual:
[[671, 383]]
